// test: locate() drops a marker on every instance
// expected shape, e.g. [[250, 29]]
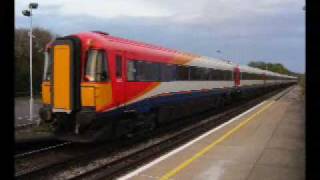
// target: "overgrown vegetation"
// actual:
[[274, 67], [279, 68], [302, 83], [21, 48], [43, 128]]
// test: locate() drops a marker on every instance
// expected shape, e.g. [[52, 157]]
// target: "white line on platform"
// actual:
[[27, 124], [152, 163], [27, 117]]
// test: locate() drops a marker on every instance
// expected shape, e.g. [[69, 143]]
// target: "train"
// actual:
[[97, 87]]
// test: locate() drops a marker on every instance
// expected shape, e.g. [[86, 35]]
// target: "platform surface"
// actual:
[[270, 146], [22, 109]]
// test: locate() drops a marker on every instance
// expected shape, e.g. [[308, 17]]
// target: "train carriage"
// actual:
[[98, 86]]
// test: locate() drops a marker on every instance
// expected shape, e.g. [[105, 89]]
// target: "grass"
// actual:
[[302, 84], [43, 128], [40, 131]]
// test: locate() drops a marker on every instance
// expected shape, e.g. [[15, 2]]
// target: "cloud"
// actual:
[[178, 10], [243, 30]]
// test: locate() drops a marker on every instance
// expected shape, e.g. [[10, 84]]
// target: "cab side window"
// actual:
[[96, 67], [47, 66]]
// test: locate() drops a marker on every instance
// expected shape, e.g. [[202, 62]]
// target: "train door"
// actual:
[[236, 76], [119, 78], [65, 82]]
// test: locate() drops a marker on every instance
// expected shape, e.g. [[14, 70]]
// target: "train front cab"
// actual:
[[61, 82], [71, 97]]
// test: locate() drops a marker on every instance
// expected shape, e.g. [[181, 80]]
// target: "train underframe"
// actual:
[[88, 126]]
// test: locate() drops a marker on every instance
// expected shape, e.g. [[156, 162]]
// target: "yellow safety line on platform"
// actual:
[[210, 146]]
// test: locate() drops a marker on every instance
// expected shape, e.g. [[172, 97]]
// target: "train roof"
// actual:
[[249, 69], [200, 61], [214, 63]]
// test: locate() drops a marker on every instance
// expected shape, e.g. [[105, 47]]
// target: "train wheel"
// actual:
[[148, 121]]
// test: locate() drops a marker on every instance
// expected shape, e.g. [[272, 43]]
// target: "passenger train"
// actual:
[[97, 86]]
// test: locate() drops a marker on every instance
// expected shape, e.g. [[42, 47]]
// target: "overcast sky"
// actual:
[[243, 30]]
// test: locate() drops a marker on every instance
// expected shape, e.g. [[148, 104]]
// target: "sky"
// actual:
[[242, 30]]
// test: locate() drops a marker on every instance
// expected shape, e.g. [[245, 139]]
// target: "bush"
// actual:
[[21, 49]]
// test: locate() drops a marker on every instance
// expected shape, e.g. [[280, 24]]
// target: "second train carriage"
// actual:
[[97, 86]]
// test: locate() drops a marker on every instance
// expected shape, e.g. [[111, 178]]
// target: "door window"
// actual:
[[118, 66]]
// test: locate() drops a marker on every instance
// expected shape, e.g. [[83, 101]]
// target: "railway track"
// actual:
[[113, 159], [40, 150], [26, 145], [123, 165], [25, 126]]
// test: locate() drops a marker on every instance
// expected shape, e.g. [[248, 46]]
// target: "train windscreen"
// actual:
[[47, 66]]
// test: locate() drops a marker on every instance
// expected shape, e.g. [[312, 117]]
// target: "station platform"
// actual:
[[265, 142], [22, 109]]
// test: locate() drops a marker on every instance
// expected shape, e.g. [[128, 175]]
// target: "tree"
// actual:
[[21, 48], [274, 67]]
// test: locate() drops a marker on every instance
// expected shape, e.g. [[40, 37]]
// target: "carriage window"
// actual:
[[143, 71], [244, 76], [205, 73], [182, 73], [211, 74], [195, 73], [227, 75], [47, 66], [96, 67], [251, 76], [216, 74], [148, 71], [118, 66], [131, 71], [168, 72]]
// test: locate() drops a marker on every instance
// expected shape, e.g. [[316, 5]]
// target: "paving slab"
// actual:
[[270, 146]]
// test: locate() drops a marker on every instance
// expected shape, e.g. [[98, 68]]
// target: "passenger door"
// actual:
[[65, 84], [236, 76], [119, 78]]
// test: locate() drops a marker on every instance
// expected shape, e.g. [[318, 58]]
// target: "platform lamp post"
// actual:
[[28, 13], [219, 52]]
